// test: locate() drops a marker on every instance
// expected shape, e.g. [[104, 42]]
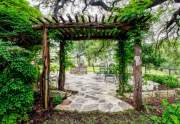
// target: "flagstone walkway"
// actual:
[[93, 94]]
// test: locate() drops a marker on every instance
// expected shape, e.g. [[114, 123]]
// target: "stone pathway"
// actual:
[[93, 94]]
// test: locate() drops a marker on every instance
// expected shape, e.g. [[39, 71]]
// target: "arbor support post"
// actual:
[[44, 86], [137, 73], [122, 67], [61, 79]]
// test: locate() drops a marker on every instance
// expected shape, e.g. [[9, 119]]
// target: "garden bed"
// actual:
[[154, 94]]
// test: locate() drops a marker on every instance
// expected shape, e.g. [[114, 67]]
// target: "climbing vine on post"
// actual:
[[137, 11], [122, 67], [61, 79]]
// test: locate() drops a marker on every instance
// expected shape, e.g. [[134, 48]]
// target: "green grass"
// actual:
[[169, 81], [158, 72], [90, 69]]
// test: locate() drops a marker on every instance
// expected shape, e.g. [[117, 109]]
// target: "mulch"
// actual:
[[38, 114]]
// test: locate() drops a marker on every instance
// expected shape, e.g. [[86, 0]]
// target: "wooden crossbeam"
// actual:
[[115, 19], [41, 20], [109, 18], [89, 18], [96, 19], [67, 32], [63, 20], [55, 19], [91, 37], [76, 17], [122, 26], [82, 18], [34, 21], [48, 20], [62, 33], [103, 17], [70, 19]]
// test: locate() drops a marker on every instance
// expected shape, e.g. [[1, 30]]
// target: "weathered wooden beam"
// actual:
[[91, 37], [41, 21], [103, 18], [48, 20], [82, 18], [77, 19], [89, 18], [62, 19], [68, 32], [96, 18], [70, 19], [137, 73], [122, 26], [115, 19], [55, 19], [61, 32], [34, 21], [109, 19]]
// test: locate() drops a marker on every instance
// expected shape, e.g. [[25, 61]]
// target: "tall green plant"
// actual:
[[16, 76], [170, 115], [137, 13]]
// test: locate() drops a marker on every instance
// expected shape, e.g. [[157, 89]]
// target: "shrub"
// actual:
[[169, 81], [170, 115], [54, 67], [57, 100], [16, 76]]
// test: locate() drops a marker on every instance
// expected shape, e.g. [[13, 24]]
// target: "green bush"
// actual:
[[16, 77], [54, 67], [169, 81], [57, 100], [170, 115]]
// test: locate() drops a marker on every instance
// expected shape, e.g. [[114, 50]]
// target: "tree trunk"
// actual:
[[61, 79], [44, 83], [122, 67], [137, 73]]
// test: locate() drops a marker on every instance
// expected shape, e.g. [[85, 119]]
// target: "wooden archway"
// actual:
[[80, 28]]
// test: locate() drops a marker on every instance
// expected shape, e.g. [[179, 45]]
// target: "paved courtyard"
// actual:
[[93, 94]]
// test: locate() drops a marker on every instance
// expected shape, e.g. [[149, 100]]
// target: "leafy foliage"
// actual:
[[170, 50], [57, 100], [16, 76], [170, 115], [137, 13], [15, 21], [151, 57], [169, 81]]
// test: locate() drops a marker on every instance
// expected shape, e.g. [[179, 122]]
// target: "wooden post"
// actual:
[[137, 73], [61, 80], [46, 68], [122, 67]]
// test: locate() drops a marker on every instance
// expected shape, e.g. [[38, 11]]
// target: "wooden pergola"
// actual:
[[87, 28]]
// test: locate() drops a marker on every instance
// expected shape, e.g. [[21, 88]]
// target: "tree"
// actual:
[[151, 56], [15, 22]]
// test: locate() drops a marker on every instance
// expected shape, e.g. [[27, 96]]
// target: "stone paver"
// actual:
[[93, 94]]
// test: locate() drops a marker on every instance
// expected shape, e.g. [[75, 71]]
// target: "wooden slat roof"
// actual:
[[80, 27]]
